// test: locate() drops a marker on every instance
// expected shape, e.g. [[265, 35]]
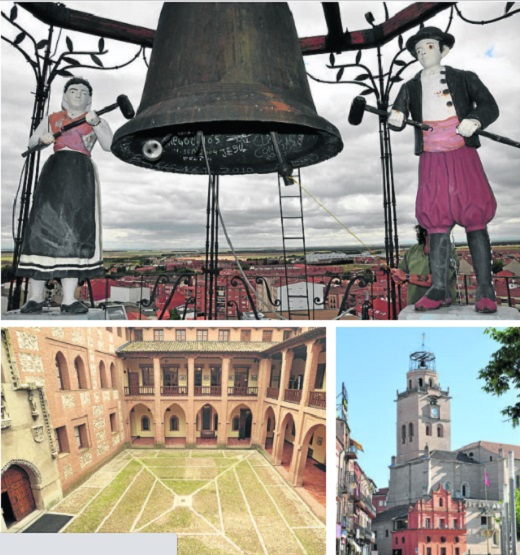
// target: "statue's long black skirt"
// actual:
[[62, 237]]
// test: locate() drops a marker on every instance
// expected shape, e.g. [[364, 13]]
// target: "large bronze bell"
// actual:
[[227, 79]]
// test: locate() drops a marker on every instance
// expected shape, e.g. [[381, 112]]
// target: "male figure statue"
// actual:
[[453, 188], [63, 234]]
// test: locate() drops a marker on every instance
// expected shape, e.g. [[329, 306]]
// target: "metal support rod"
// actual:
[[31, 175]]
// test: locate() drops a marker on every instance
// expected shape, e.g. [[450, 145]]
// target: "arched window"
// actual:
[[403, 433], [113, 376], [410, 432], [236, 422], [448, 486], [420, 382], [145, 424], [80, 373], [428, 430], [62, 373], [440, 502], [439, 431], [269, 424], [103, 376], [174, 424], [409, 384]]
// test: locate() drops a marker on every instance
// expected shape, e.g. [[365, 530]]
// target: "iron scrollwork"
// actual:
[[262, 281], [248, 293], [332, 281], [363, 279]]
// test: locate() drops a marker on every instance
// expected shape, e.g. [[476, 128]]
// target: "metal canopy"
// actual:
[[336, 39]]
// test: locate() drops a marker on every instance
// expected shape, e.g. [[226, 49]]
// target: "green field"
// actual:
[[218, 502]]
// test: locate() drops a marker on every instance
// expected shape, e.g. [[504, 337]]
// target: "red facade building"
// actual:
[[436, 526]]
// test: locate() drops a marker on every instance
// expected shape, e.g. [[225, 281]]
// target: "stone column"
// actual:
[[190, 408], [223, 412], [260, 431], [311, 367], [287, 361], [157, 409]]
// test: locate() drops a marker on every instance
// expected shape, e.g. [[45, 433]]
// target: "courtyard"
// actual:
[[217, 501]]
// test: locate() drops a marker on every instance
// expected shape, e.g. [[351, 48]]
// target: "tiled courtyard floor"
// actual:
[[219, 502]]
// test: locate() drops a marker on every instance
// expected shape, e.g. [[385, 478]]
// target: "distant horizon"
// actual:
[[362, 248]]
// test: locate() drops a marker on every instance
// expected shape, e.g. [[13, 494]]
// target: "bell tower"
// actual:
[[423, 410]]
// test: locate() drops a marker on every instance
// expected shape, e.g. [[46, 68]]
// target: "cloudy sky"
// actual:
[[148, 209]]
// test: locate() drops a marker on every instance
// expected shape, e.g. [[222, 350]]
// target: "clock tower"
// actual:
[[423, 410]]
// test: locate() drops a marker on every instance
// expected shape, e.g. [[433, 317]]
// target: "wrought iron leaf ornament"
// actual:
[[362, 77], [400, 42], [42, 44], [19, 38], [71, 61], [70, 46], [509, 5], [96, 60], [332, 59], [400, 63], [64, 73], [358, 57], [101, 44], [14, 13], [366, 92], [339, 75]]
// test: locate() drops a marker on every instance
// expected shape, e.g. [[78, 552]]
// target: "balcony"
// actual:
[[174, 390], [211, 390], [243, 391], [272, 392], [293, 395], [140, 390], [351, 452], [318, 399]]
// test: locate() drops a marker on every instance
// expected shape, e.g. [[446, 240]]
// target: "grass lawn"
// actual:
[[217, 501]]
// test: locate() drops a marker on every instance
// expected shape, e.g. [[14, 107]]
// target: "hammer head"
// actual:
[[357, 109], [125, 106]]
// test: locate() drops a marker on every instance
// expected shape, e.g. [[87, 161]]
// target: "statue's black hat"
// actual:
[[429, 33]]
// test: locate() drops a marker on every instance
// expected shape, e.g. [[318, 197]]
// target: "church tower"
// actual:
[[423, 410]]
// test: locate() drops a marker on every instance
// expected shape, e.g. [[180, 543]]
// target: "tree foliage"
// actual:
[[502, 374]]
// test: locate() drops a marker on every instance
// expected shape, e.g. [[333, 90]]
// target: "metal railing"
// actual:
[[273, 392], [174, 390], [213, 390], [293, 395], [318, 399], [140, 390], [244, 391]]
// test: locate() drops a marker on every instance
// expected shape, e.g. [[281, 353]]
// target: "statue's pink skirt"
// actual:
[[453, 189]]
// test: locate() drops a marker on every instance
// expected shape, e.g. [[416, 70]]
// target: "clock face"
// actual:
[[434, 411]]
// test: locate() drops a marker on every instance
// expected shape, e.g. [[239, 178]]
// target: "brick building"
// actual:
[[72, 398]]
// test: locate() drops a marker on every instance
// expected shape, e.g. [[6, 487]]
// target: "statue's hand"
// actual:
[[396, 118], [92, 119], [47, 139], [467, 127]]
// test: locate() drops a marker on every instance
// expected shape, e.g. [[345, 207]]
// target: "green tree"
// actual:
[[174, 314], [502, 373], [498, 266]]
